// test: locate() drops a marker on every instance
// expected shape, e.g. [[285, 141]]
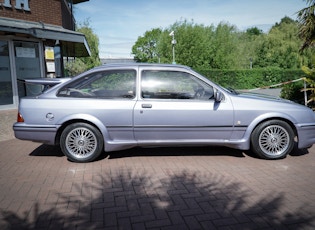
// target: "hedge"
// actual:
[[251, 78]]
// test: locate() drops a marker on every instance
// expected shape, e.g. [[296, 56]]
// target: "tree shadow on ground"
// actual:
[[132, 199]]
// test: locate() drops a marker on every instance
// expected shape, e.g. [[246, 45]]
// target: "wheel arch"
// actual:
[[289, 121], [246, 139], [257, 122], [273, 138], [84, 119]]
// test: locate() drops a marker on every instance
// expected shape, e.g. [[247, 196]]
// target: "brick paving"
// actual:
[[164, 188], [7, 118]]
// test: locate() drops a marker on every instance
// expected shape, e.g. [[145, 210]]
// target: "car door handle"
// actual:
[[149, 106]]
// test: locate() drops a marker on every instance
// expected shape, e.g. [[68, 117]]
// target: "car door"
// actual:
[[176, 106], [108, 96]]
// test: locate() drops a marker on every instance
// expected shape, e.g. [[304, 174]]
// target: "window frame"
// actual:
[[176, 95], [80, 92]]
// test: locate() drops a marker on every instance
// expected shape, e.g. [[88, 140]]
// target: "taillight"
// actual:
[[20, 118]]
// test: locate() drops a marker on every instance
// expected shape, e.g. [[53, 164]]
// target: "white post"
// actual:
[[173, 44], [305, 93]]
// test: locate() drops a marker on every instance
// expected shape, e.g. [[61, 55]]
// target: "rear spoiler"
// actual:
[[44, 81]]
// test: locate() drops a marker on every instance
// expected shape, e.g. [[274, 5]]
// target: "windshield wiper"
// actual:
[[233, 91]]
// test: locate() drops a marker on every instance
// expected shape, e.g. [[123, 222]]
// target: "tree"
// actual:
[[224, 46], [79, 65], [192, 44], [145, 48], [248, 44], [280, 48], [310, 79], [225, 52], [93, 42], [254, 31], [306, 19]]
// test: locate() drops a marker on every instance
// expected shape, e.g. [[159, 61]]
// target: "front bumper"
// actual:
[[306, 135]]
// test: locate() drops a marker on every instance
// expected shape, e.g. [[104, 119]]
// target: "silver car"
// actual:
[[119, 106]]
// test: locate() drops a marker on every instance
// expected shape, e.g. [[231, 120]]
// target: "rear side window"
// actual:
[[104, 84]]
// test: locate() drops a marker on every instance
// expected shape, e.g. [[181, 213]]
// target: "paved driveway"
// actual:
[[165, 188]]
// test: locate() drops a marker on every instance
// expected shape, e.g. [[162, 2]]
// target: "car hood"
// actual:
[[262, 96]]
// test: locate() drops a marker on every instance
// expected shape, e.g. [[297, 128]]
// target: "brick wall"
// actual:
[[46, 11]]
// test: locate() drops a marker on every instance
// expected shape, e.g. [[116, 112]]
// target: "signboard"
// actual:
[[50, 66], [25, 52], [49, 53]]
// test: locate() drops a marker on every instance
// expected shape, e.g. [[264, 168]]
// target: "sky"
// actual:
[[119, 23]]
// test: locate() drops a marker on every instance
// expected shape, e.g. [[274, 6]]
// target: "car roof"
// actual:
[[141, 65]]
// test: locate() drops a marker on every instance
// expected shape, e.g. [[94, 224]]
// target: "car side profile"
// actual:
[[120, 106]]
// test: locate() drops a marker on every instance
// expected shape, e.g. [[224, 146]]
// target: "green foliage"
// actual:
[[254, 31], [93, 42], [250, 79], [280, 48], [192, 44], [224, 46], [306, 19], [225, 52], [293, 92], [310, 79], [82, 64], [145, 48], [75, 67]]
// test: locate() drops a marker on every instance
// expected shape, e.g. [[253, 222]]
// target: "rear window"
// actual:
[[104, 84]]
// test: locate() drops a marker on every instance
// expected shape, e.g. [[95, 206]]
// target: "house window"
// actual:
[[6, 92], [27, 65]]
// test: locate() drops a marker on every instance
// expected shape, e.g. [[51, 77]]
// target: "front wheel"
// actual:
[[81, 142], [272, 139]]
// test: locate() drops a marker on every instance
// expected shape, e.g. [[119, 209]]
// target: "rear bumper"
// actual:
[[43, 134], [306, 135]]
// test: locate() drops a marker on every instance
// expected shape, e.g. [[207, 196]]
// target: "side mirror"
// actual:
[[218, 96]]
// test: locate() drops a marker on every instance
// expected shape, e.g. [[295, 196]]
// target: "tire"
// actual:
[[81, 142], [272, 139]]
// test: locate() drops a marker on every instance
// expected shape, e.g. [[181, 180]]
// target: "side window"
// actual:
[[105, 84], [173, 85]]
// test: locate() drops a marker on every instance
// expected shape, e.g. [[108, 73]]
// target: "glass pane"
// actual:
[[173, 85], [107, 84], [6, 93], [27, 66]]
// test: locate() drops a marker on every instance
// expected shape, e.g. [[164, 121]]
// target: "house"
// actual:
[[35, 36]]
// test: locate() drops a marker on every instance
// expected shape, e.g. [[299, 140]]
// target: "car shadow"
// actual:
[[176, 151], [48, 150], [298, 152], [295, 153]]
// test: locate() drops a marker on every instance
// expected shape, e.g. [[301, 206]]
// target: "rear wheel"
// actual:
[[272, 139], [81, 142]]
